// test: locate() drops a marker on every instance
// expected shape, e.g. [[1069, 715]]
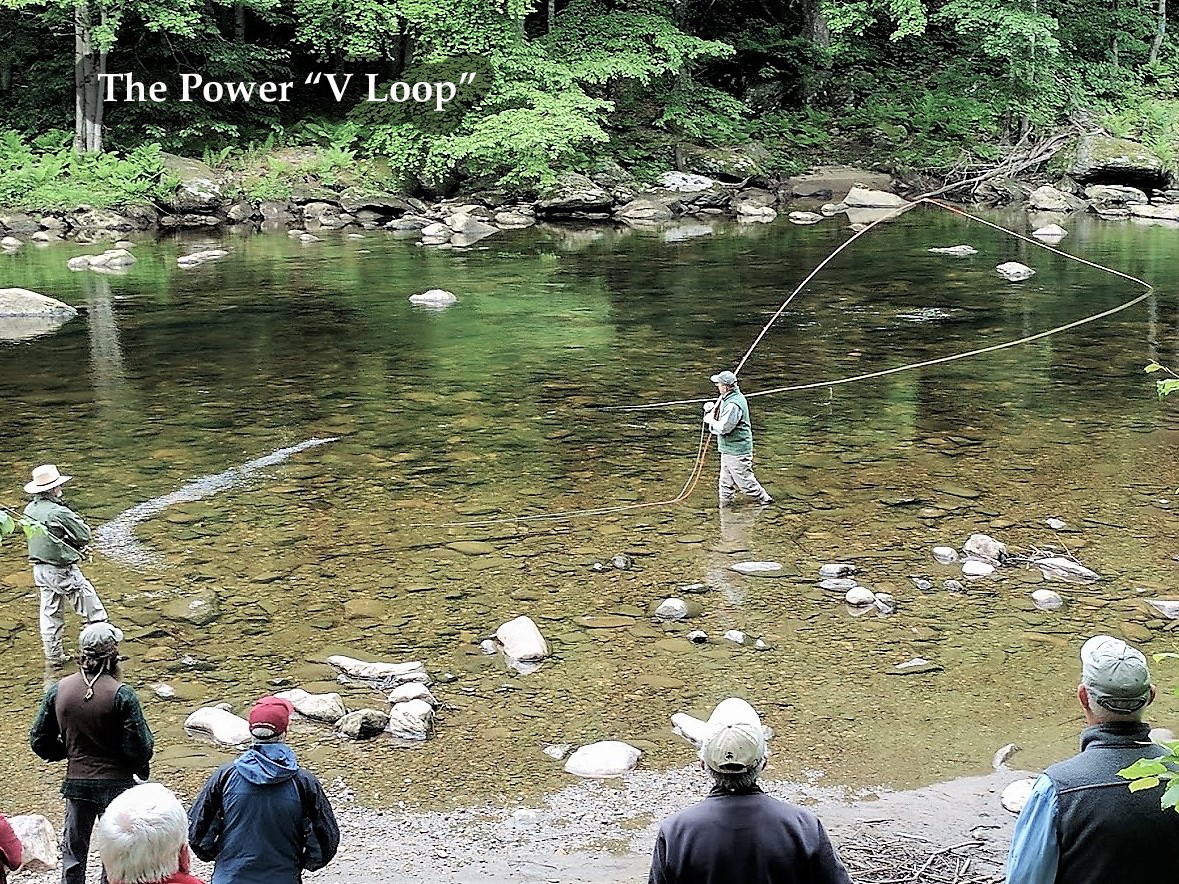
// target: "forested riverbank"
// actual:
[[743, 91]]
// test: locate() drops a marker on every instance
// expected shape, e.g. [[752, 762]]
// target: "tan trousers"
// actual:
[[736, 474], [59, 585]]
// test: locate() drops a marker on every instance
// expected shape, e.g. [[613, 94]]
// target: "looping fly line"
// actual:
[[702, 450]]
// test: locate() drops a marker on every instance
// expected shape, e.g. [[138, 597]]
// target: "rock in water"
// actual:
[[363, 724], [1169, 608], [321, 707], [411, 691], [837, 584], [956, 251], [220, 724], [736, 636], [434, 298], [1014, 271], [691, 729], [1046, 600], [38, 841], [1003, 755], [398, 672], [672, 609], [837, 569], [973, 568], [1060, 568], [885, 603], [804, 218], [945, 555], [1050, 233], [522, 640], [609, 758], [411, 720], [1016, 795], [756, 567], [860, 596], [984, 547]]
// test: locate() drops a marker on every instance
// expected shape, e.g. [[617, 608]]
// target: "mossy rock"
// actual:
[[1102, 159]]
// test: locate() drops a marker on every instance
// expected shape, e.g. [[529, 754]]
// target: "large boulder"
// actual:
[[834, 182], [99, 219], [468, 230], [1101, 159], [1049, 199], [411, 720], [19, 224], [1165, 213], [197, 191], [38, 841], [220, 724], [1115, 195], [386, 204], [23, 302], [863, 198], [363, 724], [746, 163], [644, 210], [522, 640], [609, 758], [573, 194]]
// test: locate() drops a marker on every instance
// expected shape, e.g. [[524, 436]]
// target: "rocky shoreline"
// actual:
[[1115, 178]]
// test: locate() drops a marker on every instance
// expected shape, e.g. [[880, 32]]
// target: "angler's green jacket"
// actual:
[[66, 534]]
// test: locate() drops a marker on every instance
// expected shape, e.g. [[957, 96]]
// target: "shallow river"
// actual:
[[486, 410]]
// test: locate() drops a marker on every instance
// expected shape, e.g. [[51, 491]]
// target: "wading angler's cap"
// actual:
[[1115, 675], [100, 637], [269, 718], [725, 377]]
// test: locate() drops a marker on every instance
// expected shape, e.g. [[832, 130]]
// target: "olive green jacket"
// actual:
[[66, 533]]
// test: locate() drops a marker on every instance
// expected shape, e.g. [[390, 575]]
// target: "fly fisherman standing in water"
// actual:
[[728, 419], [55, 553]]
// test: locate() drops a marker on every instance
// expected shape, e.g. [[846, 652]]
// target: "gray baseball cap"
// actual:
[[1115, 675], [98, 636], [725, 377]]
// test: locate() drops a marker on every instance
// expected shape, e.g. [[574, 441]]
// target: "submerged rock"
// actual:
[[1003, 755], [985, 547], [860, 596], [412, 691], [557, 751], [837, 584], [1050, 233], [736, 636], [975, 568], [698, 636], [885, 603], [757, 568], [609, 758], [916, 666], [1169, 608], [197, 258]]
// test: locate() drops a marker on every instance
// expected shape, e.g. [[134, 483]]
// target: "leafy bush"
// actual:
[[47, 174]]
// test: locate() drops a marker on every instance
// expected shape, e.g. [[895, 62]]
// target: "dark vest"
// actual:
[[1106, 832], [91, 730], [738, 440]]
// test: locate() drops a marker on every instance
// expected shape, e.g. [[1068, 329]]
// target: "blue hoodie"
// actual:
[[263, 819]]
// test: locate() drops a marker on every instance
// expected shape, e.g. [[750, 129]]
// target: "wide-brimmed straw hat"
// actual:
[[45, 478]]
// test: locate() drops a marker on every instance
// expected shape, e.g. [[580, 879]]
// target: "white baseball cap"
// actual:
[[736, 743], [1115, 675]]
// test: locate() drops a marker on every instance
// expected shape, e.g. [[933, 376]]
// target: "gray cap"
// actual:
[[100, 636], [725, 377], [1115, 675]]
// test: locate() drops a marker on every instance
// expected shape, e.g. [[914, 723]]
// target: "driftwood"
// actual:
[[897, 858]]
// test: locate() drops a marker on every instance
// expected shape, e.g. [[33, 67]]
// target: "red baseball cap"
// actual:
[[270, 717]]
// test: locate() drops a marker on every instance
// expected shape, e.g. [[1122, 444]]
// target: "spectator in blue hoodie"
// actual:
[[263, 819]]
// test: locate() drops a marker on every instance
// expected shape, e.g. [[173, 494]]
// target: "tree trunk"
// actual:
[[1117, 22], [819, 33], [1162, 30], [239, 22], [81, 38], [552, 11]]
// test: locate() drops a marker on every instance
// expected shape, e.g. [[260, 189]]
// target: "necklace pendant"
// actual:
[[89, 694]]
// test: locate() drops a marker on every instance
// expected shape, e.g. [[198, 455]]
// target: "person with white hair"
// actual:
[[55, 549], [1082, 824], [739, 833], [143, 838]]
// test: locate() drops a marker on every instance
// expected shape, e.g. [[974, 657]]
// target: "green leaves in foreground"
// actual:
[[1148, 773], [8, 525], [1167, 386]]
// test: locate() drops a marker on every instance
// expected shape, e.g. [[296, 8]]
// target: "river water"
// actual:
[[486, 410]]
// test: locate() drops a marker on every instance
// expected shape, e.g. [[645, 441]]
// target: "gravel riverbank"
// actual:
[[602, 832]]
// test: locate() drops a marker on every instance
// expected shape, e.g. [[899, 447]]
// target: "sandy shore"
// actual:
[[602, 832]]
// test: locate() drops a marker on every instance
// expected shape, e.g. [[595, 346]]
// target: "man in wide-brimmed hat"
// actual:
[[55, 553]]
